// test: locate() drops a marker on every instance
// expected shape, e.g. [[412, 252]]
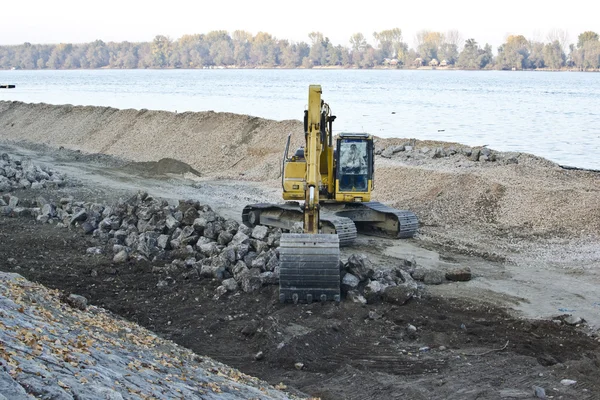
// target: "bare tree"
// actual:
[[559, 35], [454, 37]]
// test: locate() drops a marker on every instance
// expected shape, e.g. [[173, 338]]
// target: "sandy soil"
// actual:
[[528, 230]]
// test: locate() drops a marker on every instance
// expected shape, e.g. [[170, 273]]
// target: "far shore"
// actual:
[[400, 68]]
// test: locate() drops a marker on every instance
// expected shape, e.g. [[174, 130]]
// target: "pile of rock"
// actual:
[[23, 174], [363, 284], [194, 239], [409, 150]]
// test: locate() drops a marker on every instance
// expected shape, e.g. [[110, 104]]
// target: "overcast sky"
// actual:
[[69, 21]]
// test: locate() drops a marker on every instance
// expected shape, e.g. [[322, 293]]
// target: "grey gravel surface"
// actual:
[[49, 349]]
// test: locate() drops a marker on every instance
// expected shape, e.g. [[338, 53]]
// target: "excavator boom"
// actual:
[[309, 261]]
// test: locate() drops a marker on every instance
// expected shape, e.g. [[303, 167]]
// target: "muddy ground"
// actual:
[[463, 347]]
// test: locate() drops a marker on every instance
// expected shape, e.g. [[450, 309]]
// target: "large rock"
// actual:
[[77, 301], [360, 266], [388, 152], [259, 262], [373, 291], [121, 257], [5, 187], [438, 152], [250, 280], [258, 245], [240, 238], [260, 232], [239, 270], [171, 223], [272, 261], [224, 238], [162, 242], [212, 271], [402, 292], [349, 282], [13, 201], [189, 216], [49, 210], [79, 216], [148, 244], [212, 230], [269, 278], [241, 251], [209, 249], [433, 277], [355, 297], [228, 255], [231, 226], [230, 284], [462, 274]]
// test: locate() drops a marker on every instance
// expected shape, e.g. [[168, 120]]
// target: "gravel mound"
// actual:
[[209, 142]]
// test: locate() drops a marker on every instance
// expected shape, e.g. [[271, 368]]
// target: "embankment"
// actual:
[[212, 143], [513, 194]]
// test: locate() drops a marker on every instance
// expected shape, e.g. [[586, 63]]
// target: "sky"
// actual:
[[68, 21]]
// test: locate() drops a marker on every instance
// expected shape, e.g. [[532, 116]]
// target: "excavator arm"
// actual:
[[312, 153], [309, 261]]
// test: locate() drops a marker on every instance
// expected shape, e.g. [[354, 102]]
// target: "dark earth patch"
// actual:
[[348, 351]]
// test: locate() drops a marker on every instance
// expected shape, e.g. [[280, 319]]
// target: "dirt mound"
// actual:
[[530, 197], [162, 167]]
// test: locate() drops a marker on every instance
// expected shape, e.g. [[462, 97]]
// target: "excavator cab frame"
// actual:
[[354, 167]]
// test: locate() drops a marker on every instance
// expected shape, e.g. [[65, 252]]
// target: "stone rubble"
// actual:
[[196, 242], [23, 174], [409, 150]]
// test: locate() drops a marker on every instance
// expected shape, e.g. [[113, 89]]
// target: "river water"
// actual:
[[555, 115]]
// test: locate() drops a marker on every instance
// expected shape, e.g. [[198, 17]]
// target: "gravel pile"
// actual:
[[446, 185], [211, 143], [481, 190], [57, 347]]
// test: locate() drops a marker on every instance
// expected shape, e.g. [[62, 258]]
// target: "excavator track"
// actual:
[[309, 267], [286, 216], [374, 218]]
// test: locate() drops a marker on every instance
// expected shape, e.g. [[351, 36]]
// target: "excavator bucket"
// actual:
[[309, 267]]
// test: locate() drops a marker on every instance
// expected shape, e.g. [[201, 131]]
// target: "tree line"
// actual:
[[244, 50]]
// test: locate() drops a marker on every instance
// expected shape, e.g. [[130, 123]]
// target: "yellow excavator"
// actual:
[[334, 179]]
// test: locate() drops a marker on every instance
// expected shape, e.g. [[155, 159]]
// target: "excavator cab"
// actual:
[[354, 167]]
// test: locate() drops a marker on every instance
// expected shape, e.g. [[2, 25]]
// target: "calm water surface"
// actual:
[[554, 115]]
